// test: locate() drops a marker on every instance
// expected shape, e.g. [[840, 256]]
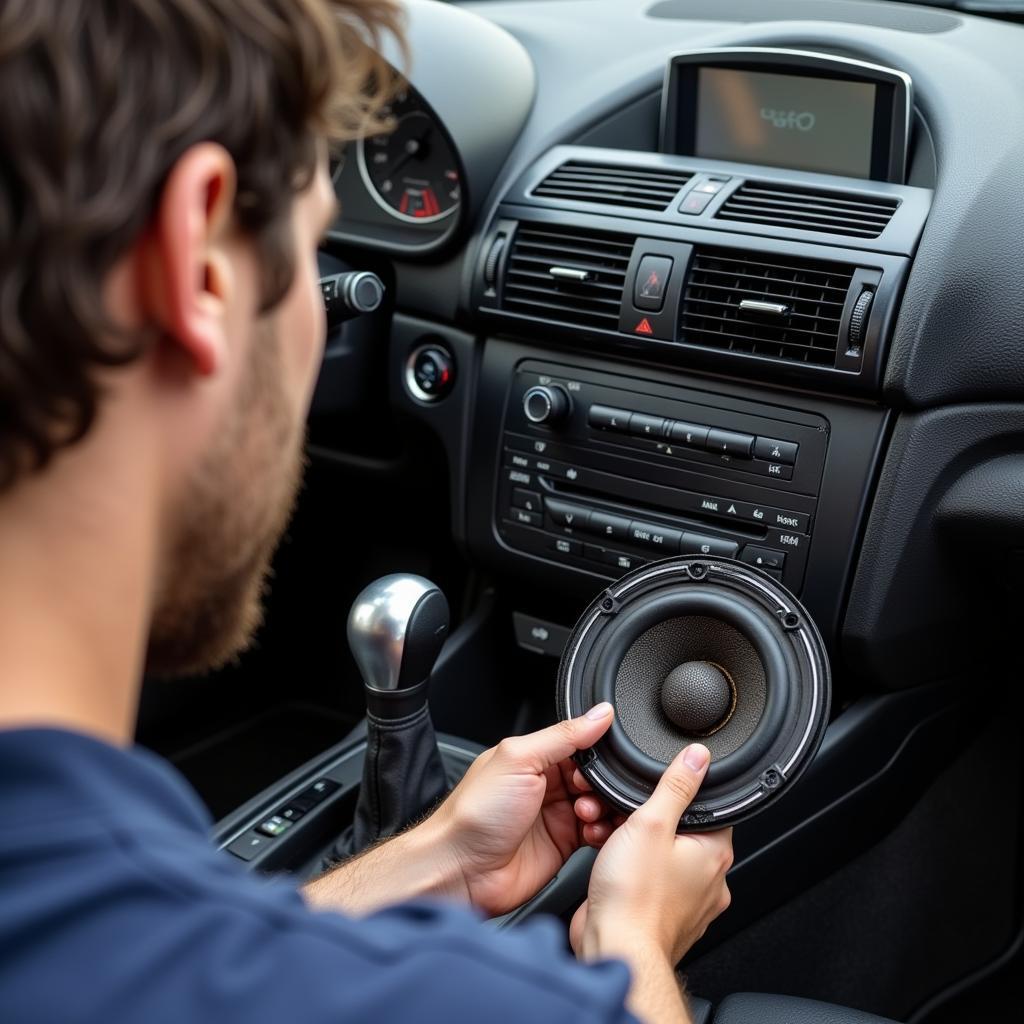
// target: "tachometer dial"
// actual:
[[412, 172]]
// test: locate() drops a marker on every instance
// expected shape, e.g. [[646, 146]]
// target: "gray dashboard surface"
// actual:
[[960, 336]]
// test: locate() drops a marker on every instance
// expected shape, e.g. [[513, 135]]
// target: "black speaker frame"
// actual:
[[797, 683]]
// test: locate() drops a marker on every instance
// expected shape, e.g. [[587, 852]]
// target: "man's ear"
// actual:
[[187, 271]]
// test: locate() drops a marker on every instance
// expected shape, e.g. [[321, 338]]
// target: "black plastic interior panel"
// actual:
[[941, 550]]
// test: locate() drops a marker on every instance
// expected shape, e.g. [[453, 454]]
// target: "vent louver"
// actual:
[[766, 305], [821, 210], [567, 274], [644, 188]]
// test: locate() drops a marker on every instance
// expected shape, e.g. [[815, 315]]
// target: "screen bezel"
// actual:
[[893, 99]]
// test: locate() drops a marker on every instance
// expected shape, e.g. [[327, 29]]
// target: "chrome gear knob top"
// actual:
[[396, 629]]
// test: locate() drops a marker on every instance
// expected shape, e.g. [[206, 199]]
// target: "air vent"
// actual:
[[644, 188], [812, 209], [568, 275], [765, 305]]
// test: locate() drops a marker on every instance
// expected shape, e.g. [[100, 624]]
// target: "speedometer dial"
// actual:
[[412, 171]]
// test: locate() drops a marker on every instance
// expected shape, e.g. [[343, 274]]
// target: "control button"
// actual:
[[607, 418], [515, 459], [651, 280], [594, 552], [571, 473], [547, 404], [775, 451], [542, 465], [564, 546], [662, 538], [728, 442], [525, 518], [565, 514], [290, 813], [249, 845], [642, 425], [430, 373], [695, 202], [690, 434], [763, 558], [778, 470], [697, 544], [711, 187], [322, 788], [539, 636], [705, 503], [612, 527], [787, 520], [517, 476], [275, 825], [528, 500], [621, 561]]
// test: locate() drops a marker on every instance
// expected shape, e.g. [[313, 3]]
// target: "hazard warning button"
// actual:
[[651, 281]]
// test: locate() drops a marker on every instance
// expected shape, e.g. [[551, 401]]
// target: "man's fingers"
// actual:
[[678, 785], [540, 750], [579, 782], [597, 834], [589, 808]]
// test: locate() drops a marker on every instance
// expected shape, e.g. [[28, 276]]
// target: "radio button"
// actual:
[[776, 470], [564, 514], [564, 546], [763, 558], [695, 202], [728, 442], [661, 538], [529, 500], [525, 518], [606, 418], [775, 451], [690, 434], [642, 425], [696, 544], [621, 561], [612, 527], [797, 521]]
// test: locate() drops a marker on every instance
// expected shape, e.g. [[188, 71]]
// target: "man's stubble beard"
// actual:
[[228, 525]]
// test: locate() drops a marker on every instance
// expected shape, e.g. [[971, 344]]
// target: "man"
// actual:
[[162, 192]]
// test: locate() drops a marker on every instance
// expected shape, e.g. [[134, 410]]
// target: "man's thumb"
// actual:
[[539, 750], [679, 784]]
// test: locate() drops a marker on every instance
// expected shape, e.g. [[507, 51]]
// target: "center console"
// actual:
[[604, 476]]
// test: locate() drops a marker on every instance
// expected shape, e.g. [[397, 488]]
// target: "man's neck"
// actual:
[[75, 594]]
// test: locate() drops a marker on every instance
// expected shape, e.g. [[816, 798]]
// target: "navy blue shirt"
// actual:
[[115, 908]]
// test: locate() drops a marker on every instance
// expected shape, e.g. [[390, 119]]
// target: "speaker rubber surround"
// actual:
[[796, 677]]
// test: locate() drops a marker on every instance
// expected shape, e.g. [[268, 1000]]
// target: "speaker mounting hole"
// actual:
[[791, 620]]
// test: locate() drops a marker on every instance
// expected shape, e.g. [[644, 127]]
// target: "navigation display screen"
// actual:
[[798, 121]]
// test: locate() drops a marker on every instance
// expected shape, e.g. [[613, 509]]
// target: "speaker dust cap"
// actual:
[[698, 650]]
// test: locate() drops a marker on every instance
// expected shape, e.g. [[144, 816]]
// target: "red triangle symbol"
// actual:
[[644, 327]]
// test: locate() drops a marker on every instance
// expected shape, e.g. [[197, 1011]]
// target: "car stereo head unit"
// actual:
[[788, 108]]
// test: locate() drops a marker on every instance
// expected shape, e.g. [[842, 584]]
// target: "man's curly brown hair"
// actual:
[[100, 98]]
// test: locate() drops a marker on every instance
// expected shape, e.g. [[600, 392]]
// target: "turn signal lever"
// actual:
[[395, 630], [350, 294]]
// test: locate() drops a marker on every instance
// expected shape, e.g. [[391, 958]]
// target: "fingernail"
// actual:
[[598, 711], [696, 756]]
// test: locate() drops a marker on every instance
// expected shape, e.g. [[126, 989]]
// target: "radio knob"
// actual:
[[548, 404]]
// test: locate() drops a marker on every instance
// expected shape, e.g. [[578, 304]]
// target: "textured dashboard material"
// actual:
[[961, 333]]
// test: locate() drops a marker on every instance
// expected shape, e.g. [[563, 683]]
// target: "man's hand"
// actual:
[[510, 823], [653, 893]]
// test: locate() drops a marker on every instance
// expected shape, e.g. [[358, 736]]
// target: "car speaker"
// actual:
[[698, 650]]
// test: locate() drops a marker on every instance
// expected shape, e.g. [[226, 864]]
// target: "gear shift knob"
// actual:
[[395, 630]]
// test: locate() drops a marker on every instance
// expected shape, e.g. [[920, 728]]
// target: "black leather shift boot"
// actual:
[[403, 778]]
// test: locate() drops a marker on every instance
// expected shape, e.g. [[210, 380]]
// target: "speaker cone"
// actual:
[[698, 650]]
